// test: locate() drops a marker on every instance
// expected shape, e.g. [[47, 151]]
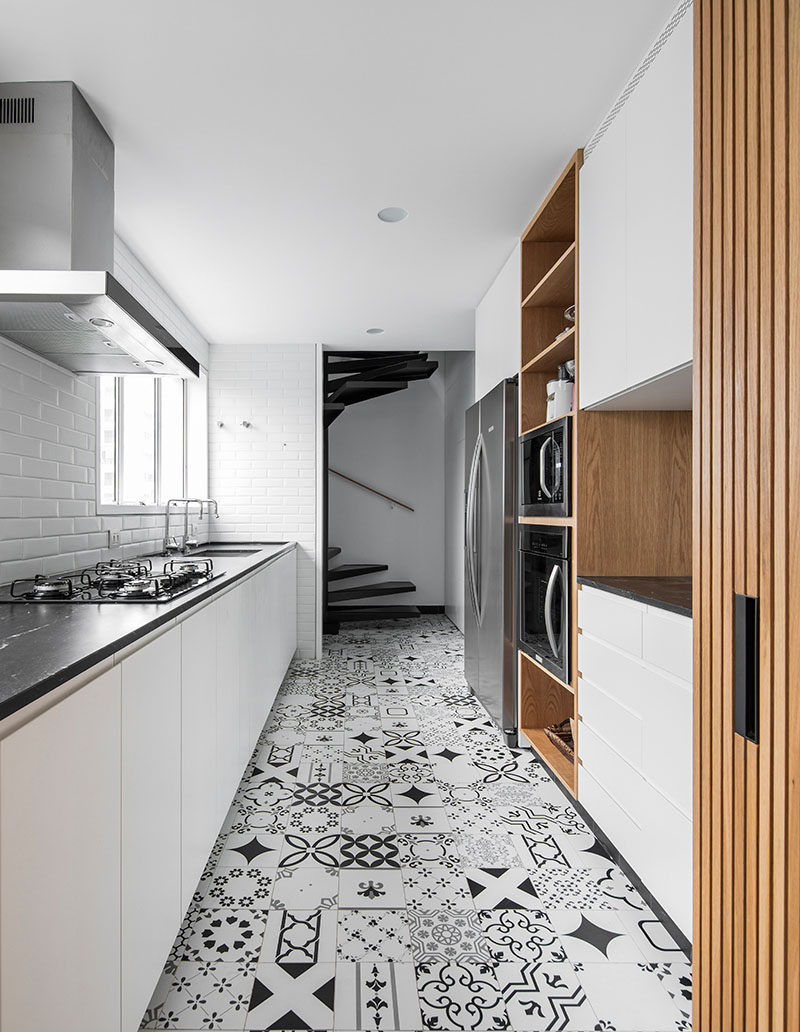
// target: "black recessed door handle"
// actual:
[[746, 667]]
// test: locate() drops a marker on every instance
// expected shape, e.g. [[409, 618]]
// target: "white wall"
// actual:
[[498, 328], [396, 445], [459, 378], [264, 478]]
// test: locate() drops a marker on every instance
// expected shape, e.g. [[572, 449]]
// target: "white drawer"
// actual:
[[654, 836], [614, 619], [621, 727], [667, 642], [663, 705]]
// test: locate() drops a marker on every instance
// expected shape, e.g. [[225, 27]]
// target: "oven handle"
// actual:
[[542, 470], [548, 603]]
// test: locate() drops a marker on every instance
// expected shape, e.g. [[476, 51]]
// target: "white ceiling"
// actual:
[[257, 139]]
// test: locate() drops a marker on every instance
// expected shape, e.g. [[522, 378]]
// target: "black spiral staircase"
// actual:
[[351, 377]]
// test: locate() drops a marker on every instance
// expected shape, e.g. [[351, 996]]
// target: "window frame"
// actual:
[[133, 508]]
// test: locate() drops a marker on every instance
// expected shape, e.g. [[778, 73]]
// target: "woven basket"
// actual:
[[562, 738]]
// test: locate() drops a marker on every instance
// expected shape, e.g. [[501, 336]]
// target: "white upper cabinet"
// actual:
[[636, 241], [603, 258]]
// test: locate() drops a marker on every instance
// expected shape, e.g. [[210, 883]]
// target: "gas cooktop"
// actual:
[[118, 580]]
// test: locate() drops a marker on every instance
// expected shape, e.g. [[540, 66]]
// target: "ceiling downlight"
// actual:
[[392, 214]]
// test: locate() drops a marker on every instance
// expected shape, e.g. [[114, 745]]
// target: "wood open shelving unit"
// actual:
[[631, 470], [549, 286]]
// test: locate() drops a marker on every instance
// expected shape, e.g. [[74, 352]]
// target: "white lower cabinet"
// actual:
[[635, 706], [60, 865], [111, 799], [151, 817]]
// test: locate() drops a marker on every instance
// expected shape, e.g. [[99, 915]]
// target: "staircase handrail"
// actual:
[[366, 487]]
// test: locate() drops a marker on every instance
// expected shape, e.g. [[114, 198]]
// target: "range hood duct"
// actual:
[[57, 295]]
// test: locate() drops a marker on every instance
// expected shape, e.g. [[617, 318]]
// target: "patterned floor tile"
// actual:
[[416, 819], [419, 850], [447, 935], [250, 849], [233, 936], [545, 996], [521, 935], [380, 889], [487, 851], [368, 851], [292, 996], [654, 941], [592, 936], [238, 887], [629, 997], [314, 820], [436, 886], [374, 935], [460, 996], [354, 794], [367, 820], [677, 980], [415, 794], [305, 888], [376, 995], [313, 851], [299, 937], [501, 888], [200, 995]]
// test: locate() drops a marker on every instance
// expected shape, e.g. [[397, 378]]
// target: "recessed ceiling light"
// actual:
[[103, 323], [392, 214], [375, 329], [153, 362]]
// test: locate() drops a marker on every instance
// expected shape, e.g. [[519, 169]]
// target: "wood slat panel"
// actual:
[[747, 492]]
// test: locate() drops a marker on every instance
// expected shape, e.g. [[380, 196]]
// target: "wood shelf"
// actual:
[[541, 426], [545, 671], [559, 764], [548, 360], [556, 289], [552, 521]]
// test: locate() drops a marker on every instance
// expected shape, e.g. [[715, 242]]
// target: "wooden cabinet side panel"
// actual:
[[60, 866]]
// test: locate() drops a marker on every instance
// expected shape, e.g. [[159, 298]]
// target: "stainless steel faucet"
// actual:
[[187, 542]]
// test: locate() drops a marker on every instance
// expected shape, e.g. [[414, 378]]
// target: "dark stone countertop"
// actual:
[[671, 593], [45, 644]]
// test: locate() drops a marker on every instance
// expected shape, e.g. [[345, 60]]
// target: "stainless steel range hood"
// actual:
[[57, 297]]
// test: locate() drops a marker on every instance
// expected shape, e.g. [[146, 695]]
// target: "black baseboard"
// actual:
[[429, 609], [617, 857]]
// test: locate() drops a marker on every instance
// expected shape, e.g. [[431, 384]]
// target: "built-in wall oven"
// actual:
[[545, 470], [544, 602]]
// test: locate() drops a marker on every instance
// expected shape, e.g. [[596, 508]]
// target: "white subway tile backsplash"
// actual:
[[257, 474]]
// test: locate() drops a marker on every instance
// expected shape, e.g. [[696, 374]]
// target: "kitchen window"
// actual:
[[141, 455]]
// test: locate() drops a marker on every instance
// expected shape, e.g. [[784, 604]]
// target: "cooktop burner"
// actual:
[[118, 580]]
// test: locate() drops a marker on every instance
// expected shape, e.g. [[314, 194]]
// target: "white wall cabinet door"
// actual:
[[660, 234], [201, 723], [603, 346], [60, 866], [151, 818]]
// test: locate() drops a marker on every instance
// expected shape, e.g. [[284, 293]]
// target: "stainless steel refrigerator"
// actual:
[[490, 506]]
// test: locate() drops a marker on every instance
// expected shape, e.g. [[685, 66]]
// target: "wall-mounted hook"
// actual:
[[220, 424], [246, 424]]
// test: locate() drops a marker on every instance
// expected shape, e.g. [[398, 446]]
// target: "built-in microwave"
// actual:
[[544, 596], [545, 470]]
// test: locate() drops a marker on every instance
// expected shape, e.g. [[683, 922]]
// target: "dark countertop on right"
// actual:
[[671, 593]]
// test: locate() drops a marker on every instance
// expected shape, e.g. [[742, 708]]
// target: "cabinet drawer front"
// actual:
[[620, 726], [667, 642], [664, 706], [614, 620], [610, 817]]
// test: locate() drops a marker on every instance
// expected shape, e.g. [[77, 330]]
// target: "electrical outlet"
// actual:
[[113, 538]]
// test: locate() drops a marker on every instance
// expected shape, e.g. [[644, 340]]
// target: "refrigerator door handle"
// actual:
[[548, 607], [469, 528], [473, 530], [542, 467]]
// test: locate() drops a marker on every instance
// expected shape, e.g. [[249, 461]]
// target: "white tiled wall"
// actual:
[[48, 520], [264, 477]]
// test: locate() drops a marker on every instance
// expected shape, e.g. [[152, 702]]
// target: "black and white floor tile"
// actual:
[[389, 864]]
